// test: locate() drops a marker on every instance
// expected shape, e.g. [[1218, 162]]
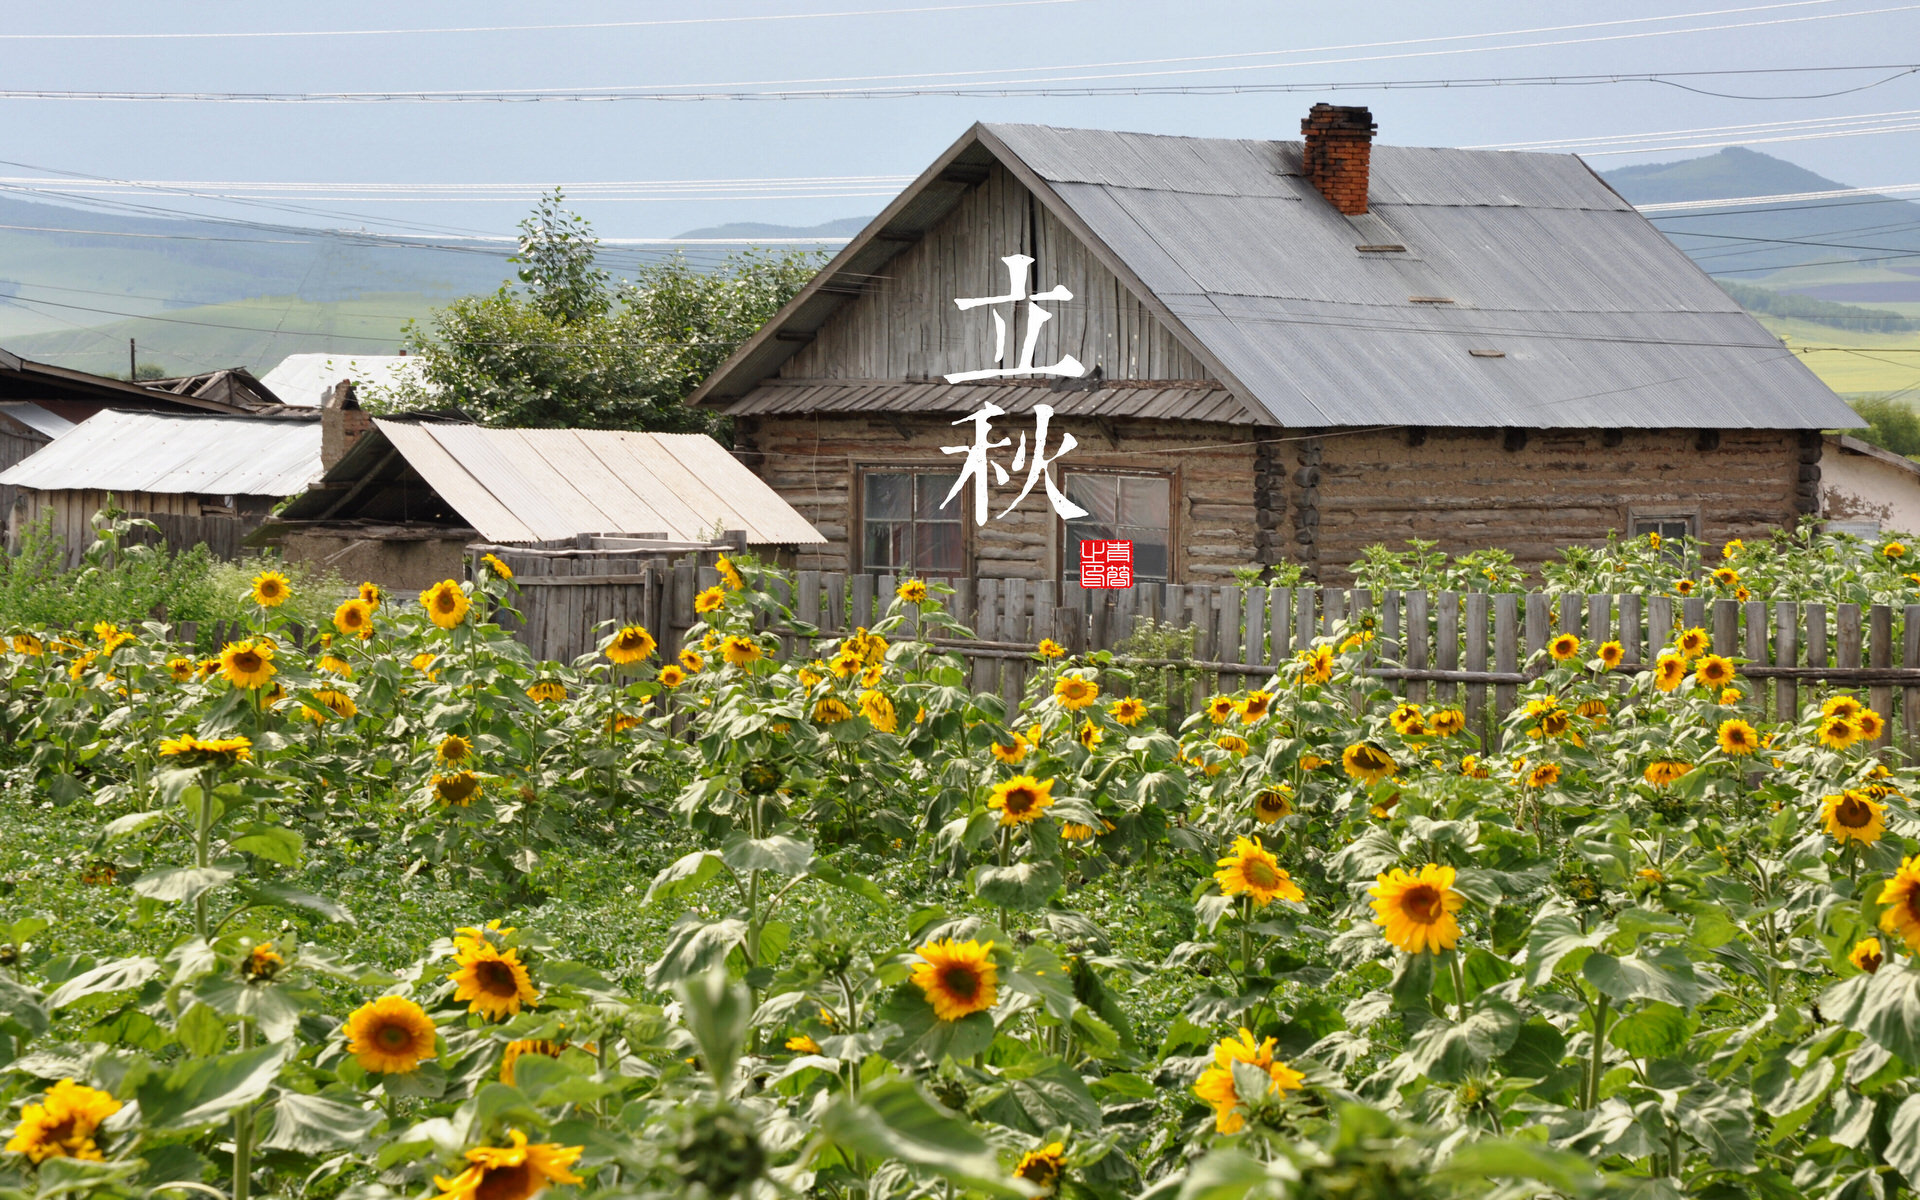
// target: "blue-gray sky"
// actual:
[[544, 143]]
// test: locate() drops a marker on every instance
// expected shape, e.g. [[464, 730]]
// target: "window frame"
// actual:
[[857, 525], [1176, 556], [1664, 515]]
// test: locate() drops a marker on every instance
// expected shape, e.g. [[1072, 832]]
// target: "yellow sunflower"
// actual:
[[247, 664], [1544, 775], [1042, 1167], [693, 664], [1128, 711], [1901, 898], [1669, 671], [1838, 732], [1893, 550], [263, 963], [1611, 654], [371, 593], [831, 711], [621, 722], [1714, 671], [1737, 738], [1316, 665], [1273, 804], [334, 665], [1683, 587], [29, 645], [1021, 800], [1416, 910], [1653, 540], [493, 982], [180, 668], [1866, 955], [1090, 735], [1843, 706], [878, 710], [1447, 722], [1732, 549], [1852, 816], [1252, 870], [1730, 697], [1473, 768], [1312, 762], [1368, 763], [453, 750], [520, 1171], [1012, 749], [446, 603], [1593, 710], [672, 676], [332, 700], [1726, 577], [271, 589], [1255, 706], [738, 650], [547, 691], [1220, 709], [729, 574], [1564, 647], [63, 1124], [517, 1050], [457, 789], [913, 591], [390, 1036], [500, 569], [1216, 1083], [111, 636], [957, 978], [1407, 720], [1662, 772], [802, 1044], [423, 663], [1075, 693], [712, 600], [1049, 648], [1871, 725], [629, 646], [1692, 643]]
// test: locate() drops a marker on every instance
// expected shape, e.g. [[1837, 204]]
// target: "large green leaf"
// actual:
[[316, 1125], [1446, 1052], [1657, 974], [1554, 938], [684, 876], [116, 976], [892, 1120], [1655, 1031], [275, 843], [1722, 1123], [716, 1011], [694, 946], [285, 895], [1023, 887], [780, 854], [1903, 1138], [202, 1091], [1884, 1005], [181, 884], [1511, 1158]]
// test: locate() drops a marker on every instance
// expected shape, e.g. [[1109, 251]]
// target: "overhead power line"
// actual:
[[1891, 189]]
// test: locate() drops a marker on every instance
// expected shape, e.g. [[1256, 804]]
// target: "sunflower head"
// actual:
[[354, 617], [1075, 693], [1714, 671], [1011, 749], [1853, 816], [271, 589], [547, 691], [913, 591], [1866, 955], [629, 646], [1447, 722], [446, 603], [180, 668], [1216, 1085], [1611, 654], [831, 710], [453, 750], [457, 789], [1089, 734], [878, 710], [1407, 720], [371, 593], [803, 1044], [1273, 804], [1415, 910], [63, 1123], [692, 663], [1042, 1167], [518, 1171], [1220, 709], [1049, 648], [1664, 771], [1737, 738], [491, 981], [1232, 743], [957, 978], [1838, 732], [1367, 762], [1021, 800], [1251, 870], [1128, 711], [729, 574], [1564, 647], [1315, 665], [1255, 706], [247, 664], [262, 963], [520, 1048], [1692, 643], [1871, 725], [739, 651], [1544, 775], [710, 601], [672, 676], [196, 751], [1669, 671], [390, 1036], [332, 701], [1893, 551], [499, 569]]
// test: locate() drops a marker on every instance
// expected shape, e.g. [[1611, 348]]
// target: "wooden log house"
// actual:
[[1292, 350]]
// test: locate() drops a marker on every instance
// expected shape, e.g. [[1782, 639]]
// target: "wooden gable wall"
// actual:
[[906, 325]]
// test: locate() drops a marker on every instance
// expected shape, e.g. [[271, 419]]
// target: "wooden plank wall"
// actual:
[[1471, 650]]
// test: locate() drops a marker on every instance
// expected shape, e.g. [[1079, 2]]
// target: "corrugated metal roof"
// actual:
[[525, 485], [36, 418], [171, 453], [1602, 321], [1190, 401]]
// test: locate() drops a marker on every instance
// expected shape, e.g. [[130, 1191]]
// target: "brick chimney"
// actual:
[[342, 421], [1339, 147]]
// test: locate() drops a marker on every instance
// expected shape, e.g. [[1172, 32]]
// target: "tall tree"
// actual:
[[569, 347]]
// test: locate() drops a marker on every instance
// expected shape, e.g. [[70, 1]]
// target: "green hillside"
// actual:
[[254, 333]]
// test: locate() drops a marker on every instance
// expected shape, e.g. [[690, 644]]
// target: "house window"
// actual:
[[904, 529], [1671, 527], [1133, 508]]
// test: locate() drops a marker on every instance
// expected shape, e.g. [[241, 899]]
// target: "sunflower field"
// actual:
[[404, 913]]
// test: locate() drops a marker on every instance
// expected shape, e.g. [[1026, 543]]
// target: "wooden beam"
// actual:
[[361, 484]]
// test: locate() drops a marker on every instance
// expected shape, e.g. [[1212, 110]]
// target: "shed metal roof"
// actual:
[[1597, 319], [529, 485], [175, 453], [1190, 401], [38, 419]]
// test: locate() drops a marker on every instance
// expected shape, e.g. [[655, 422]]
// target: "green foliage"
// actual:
[[1891, 424], [571, 349], [1823, 312]]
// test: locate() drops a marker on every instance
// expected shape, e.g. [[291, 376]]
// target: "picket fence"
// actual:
[[1470, 649]]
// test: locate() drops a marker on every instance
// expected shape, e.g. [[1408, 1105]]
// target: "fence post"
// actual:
[[1571, 604], [1694, 610], [1726, 627], [1910, 696], [1600, 618], [1333, 609], [1506, 612], [1303, 625], [836, 603], [1846, 628], [1629, 630], [1756, 648], [1659, 626], [1537, 633], [1880, 656], [1476, 639], [862, 589], [1446, 648], [1279, 624], [1416, 639], [1786, 653], [986, 671]]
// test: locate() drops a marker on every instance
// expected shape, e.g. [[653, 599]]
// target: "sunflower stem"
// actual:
[[1459, 986], [1599, 1051], [243, 1131], [202, 847]]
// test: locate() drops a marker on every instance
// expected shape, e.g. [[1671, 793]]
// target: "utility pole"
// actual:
[[133, 367]]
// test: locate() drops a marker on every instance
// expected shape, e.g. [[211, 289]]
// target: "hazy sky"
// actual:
[[544, 143]]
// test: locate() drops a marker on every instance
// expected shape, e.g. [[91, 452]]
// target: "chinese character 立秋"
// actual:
[[1106, 564], [1037, 317]]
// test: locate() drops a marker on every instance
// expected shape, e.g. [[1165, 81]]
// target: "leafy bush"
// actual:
[[1891, 424], [1651, 938]]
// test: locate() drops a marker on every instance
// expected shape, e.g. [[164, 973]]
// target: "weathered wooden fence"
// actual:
[[1471, 649], [224, 537]]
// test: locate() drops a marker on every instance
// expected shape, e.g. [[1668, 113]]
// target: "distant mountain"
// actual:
[[843, 227], [1870, 231]]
